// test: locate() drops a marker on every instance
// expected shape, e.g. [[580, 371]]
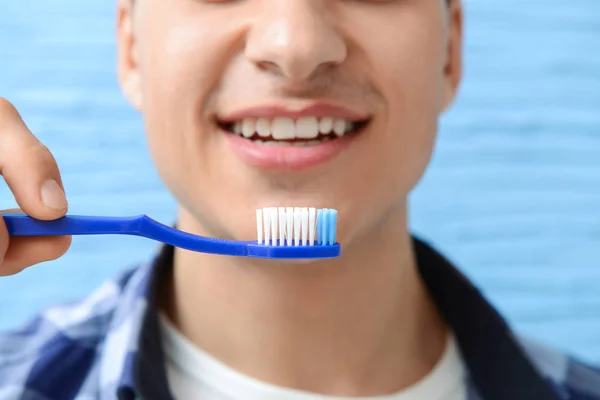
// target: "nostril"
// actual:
[[269, 66]]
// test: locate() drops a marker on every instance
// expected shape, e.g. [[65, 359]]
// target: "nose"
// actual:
[[294, 39]]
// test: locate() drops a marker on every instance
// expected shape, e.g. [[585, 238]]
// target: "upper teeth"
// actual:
[[285, 128]]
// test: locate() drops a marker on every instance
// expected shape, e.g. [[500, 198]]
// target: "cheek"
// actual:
[[413, 88], [177, 80], [412, 127], [176, 76], [406, 55]]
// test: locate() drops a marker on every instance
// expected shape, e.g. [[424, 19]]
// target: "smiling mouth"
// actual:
[[287, 131]]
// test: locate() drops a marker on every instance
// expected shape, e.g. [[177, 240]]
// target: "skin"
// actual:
[[359, 325]]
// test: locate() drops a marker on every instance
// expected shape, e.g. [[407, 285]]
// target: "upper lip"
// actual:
[[313, 110]]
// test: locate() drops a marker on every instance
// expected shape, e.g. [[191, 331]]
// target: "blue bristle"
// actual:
[[332, 226], [328, 233], [319, 227], [325, 229]]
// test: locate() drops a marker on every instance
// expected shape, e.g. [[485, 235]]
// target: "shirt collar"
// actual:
[[497, 365]]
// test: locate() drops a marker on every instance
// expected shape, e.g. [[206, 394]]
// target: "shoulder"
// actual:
[[54, 355], [574, 378]]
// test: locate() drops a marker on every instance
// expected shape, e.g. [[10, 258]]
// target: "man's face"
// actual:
[[379, 72]]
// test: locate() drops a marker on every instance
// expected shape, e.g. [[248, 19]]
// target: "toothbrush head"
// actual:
[[296, 232]]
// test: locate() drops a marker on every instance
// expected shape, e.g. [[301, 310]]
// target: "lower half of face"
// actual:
[[248, 106]]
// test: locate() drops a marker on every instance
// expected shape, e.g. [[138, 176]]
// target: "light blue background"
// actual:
[[512, 194]]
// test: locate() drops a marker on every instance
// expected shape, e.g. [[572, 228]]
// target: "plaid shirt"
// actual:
[[108, 346]]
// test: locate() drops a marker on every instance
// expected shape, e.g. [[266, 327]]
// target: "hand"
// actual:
[[33, 177]]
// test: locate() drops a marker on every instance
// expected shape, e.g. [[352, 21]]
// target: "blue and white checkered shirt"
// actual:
[[108, 346]]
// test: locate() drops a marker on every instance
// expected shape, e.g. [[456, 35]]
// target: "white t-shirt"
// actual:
[[194, 374]]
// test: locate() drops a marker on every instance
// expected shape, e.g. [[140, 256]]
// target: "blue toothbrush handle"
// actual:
[[24, 225]]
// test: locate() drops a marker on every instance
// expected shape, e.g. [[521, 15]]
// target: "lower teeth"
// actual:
[[299, 144]]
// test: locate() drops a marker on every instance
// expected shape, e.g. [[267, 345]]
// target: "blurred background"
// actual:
[[512, 194]]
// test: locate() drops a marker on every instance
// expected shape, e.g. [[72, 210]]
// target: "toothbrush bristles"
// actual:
[[304, 228], [296, 226], [289, 215], [274, 225], [259, 225], [311, 225], [267, 218], [282, 224]]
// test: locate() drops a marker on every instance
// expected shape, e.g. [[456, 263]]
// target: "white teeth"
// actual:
[[283, 128], [307, 143], [237, 128], [248, 127], [339, 127], [326, 125], [350, 126], [307, 128], [263, 127]]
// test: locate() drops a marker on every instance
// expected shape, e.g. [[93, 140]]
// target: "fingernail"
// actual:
[[53, 196]]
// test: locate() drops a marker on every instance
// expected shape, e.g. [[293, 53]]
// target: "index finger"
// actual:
[[29, 168]]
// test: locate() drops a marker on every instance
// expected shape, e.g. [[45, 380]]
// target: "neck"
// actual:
[[358, 325]]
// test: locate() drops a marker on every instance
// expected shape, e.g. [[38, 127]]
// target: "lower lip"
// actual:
[[287, 157]]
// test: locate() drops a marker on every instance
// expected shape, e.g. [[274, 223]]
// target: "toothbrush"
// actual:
[[282, 232]]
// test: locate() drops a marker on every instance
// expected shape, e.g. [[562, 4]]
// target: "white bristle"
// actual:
[[273, 211], [267, 218], [312, 223], [304, 226], [282, 221], [259, 226], [297, 225], [290, 226], [289, 215]]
